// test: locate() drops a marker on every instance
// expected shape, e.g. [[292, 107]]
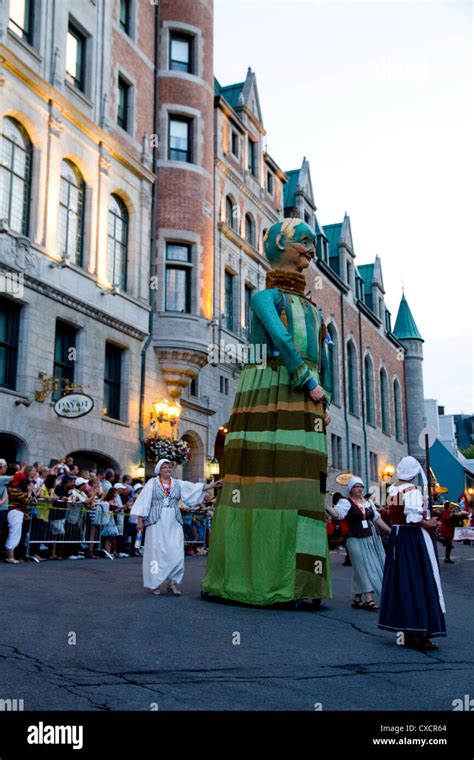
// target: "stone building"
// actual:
[[75, 225]]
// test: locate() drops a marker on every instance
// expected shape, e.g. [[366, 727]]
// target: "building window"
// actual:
[[194, 387], [333, 355], [229, 301], [235, 144], [248, 311], [112, 381], [384, 407], [179, 141], [22, 19], [252, 157], [369, 391], [117, 249], [64, 356], [352, 379], [224, 385], [123, 104], [181, 53], [381, 310], [15, 176], [356, 459], [71, 213], [349, 273], [76, 57], [270, 183], [178, 278], [250, 230], [397, 403], [231, 213], [125, 15], [9, 331], [336, 451], [374, 466]]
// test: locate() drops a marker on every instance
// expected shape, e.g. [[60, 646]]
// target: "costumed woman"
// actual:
[[363, 543], [157, 508], [412, 598], [269, 541]]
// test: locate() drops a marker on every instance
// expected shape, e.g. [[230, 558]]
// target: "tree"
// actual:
[[468, 453]]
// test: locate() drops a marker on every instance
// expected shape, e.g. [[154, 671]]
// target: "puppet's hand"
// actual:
[[317, 394], [327, 418]]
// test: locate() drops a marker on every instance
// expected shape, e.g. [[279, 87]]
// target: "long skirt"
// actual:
[[367, 558], [269, 541], [412, 598], [163, 555]]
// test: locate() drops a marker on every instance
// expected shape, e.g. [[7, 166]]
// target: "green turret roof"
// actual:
[[405, 326]]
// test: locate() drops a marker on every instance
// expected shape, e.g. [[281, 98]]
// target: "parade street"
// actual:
[[84, 636]]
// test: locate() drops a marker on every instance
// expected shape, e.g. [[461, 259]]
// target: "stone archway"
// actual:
[[89, 460], [193, 470], [12, 447]]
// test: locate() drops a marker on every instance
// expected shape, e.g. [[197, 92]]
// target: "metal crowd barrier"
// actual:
[[60, 522], [196, 528]]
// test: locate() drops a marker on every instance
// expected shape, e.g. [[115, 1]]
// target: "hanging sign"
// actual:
[[74, 405]]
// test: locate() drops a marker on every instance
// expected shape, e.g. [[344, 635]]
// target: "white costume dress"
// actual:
[[163, 557]]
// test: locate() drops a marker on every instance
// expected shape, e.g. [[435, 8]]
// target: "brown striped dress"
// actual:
[[269, 541]]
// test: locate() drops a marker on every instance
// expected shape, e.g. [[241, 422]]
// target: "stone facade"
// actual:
[[65, 122]]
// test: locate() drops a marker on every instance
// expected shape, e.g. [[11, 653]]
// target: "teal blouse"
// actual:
[[301, 343]]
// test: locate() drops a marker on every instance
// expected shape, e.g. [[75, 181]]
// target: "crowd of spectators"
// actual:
[[63, 512]]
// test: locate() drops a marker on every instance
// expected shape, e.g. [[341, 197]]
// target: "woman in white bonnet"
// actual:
[[157, 508], [363, 543], [412, 598]]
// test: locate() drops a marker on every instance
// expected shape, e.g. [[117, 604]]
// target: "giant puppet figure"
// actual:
[[269, 541]]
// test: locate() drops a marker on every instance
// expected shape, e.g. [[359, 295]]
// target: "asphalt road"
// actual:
[[134, 651]]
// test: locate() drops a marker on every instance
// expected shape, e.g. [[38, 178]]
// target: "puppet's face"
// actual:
[[300, 250], [290, 245]]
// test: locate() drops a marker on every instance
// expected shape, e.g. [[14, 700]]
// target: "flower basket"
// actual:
[[174, 449]]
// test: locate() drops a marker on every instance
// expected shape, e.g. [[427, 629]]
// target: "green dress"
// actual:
[[268, 541]]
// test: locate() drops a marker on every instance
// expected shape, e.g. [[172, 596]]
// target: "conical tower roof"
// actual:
[[405, 326]]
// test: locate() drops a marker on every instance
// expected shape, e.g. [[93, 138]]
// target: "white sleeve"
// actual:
[[342, 508], [142, 505], [413, 506], [191, 493], [375, 511]]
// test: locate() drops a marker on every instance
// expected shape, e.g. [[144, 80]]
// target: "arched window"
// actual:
[[15, 176], [369, 390], [333, 354], [250, 230], [71, 213], [397, 404], [117, 253], [231, 212], [263, 239], [384, 402], [352, 385]]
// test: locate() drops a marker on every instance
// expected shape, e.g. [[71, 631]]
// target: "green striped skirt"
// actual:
[[269, 541]]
